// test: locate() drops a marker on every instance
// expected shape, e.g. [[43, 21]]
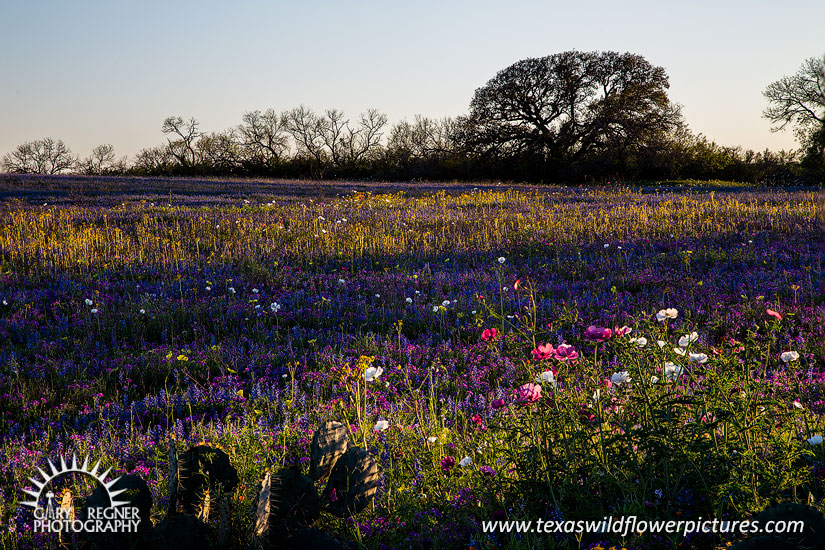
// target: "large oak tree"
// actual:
[[569, 105], [800, 100]]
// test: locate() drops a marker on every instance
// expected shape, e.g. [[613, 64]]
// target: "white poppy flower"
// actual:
[[466, 461], [381, 425], [546, 376], [641, 341], [620, 378], [815, 440], [788, 356], [687, 339], [672, 371], [698, 357], [372, 373], [669, 313]]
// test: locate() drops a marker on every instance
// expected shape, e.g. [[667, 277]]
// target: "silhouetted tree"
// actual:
[[307, 130], [219, 152], [182, 148], [423, 138], [364, 142], [328, 141], [153, 161], [424, 147], [100, 161], [264, 138], [41, 156], [800, 100], [571, 105]]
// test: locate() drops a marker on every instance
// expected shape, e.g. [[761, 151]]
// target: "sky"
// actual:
[[92, 72]]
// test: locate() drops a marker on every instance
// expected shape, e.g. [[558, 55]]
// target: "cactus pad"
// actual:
[[328, 444], [204, 468], [813, 534], [352, 483], [294, 503], [137, 493]]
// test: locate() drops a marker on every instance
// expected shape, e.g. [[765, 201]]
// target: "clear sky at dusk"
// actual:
[[92, 72]]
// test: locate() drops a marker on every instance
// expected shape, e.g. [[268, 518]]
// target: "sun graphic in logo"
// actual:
[[68, 469]]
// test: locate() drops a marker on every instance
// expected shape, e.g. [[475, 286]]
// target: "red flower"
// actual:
[[565, 352], [489, 334], [528, 394], [487, 471], [586, 415], [776, 314], [621, 331], [447, 463], [544, 351], [600, 334]]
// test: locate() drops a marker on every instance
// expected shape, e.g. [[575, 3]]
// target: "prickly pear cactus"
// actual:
[[328, 443], [173, 479], [202, 470], [813, 534], [294, 503], [263, 502], [352, 483], [136, 492]]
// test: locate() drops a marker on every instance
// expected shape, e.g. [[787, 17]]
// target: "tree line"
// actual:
[[570, 116]]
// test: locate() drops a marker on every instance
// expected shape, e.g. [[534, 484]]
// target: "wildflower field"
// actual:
[[504, 354]]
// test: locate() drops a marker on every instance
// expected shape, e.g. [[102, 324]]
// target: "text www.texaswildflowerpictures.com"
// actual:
[[624, 525]]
